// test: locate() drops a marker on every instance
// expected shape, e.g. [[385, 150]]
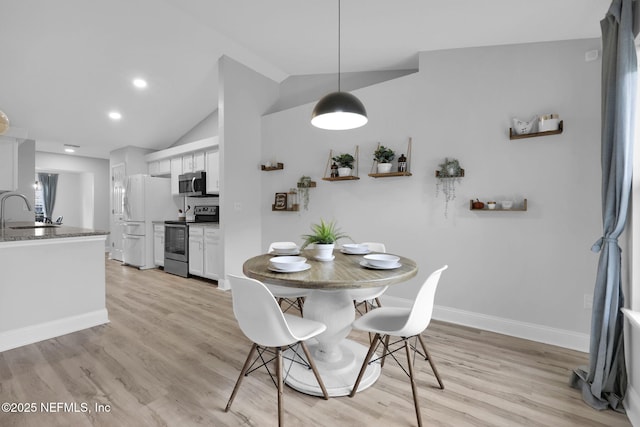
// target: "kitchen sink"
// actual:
[[26, 227]]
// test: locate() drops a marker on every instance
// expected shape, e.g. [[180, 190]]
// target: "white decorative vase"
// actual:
[[344, 171], [324, 252], [384, 167]]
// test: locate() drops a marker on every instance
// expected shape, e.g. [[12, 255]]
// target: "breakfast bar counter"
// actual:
[[52, 281]]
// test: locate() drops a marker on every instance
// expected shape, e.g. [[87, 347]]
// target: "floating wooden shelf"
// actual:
[[386, 175], [272, 168], [513, 135], [519, 209], [312, 184], [341, 178], [295, 208], [459, 176]]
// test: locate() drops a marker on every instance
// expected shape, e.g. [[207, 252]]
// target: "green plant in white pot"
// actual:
[[324, 237], [384, 156], [345, 164]]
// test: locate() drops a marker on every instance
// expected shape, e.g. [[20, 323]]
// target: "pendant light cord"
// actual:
[[338, 45]]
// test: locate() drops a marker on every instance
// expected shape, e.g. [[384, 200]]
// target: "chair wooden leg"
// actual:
[[280, 386], [414, 387], [430, 359], [315, 370], [243, 372], [372, 348], [384, 350], [300, 304]]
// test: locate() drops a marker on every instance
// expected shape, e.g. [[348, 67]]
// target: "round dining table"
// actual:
[[328, 283]]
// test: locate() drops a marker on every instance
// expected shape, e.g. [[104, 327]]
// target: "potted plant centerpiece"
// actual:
[[383, 156], [324, 237], [345, 164]]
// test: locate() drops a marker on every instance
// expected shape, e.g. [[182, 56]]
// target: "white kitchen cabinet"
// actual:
[[158, 244], [187, 163], [213, 172], [199, 161], [212, 253], [8, 164], [160, 167], [176, 171], [196, 250]]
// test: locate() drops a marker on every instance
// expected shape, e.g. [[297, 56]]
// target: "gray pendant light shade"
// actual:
[[4, 122], [339, 111]]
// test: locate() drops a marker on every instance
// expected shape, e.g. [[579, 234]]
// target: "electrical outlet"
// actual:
[[588, 301], [237, 206]]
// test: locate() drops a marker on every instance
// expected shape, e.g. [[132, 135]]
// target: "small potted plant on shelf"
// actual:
[[383, 156], [450, 172], [345, 164], [304, 183], [324, 237]]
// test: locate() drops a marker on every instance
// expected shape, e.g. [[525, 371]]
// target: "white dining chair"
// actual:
[[404, 323], [290, 297], [261, 320], [365, 297]]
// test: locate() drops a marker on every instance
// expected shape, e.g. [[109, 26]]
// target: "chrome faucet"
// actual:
[[4, 196]]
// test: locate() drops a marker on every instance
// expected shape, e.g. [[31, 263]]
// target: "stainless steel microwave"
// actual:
[[193, 184]]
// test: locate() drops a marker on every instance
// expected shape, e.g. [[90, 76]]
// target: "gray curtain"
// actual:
[[604, 384], [49, 183]]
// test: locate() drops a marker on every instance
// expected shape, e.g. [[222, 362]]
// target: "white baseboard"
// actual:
[[43, 331], [632, 406], [530, 331]]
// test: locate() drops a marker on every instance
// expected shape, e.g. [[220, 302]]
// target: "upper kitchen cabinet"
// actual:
[[8, 164], [185, 158], [160, 167], [213, 172], [176, 171]]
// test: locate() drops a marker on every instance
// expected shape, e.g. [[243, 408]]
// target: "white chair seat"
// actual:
[[303, 329], [386, 321], [364, 294]]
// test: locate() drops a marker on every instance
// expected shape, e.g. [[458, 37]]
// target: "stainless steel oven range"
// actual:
[[176, 248], [176, 239]]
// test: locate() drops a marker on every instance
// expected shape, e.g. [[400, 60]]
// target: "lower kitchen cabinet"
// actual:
[[158, 245], [196, 250], [204, 251], [211, 253]]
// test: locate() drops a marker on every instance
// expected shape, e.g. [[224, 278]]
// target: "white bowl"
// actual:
[[382, 260], [355, 248], [285, 248], [288, 263], [506, 204]]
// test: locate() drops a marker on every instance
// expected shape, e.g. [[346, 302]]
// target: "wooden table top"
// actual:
[[344, 272]]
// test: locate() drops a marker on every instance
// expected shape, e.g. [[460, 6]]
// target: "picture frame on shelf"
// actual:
[[280, 203]]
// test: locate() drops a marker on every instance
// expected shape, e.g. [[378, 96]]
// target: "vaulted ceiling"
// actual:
[[65, 64]]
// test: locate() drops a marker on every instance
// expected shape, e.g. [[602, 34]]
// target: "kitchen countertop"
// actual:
[[39, 230]]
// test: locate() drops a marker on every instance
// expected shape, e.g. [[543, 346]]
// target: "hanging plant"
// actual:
[[304, 183], [449, 174]]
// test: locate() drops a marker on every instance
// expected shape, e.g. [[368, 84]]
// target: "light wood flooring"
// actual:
[[172, 353]]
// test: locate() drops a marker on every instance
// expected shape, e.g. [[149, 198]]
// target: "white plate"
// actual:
[[355, 253], [367, 265], [277, 270]]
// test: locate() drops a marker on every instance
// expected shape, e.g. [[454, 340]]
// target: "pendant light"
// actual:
[[339, 110], [4, 122]]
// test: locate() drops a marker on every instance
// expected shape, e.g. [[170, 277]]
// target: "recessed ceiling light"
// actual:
[[114, 115], [70, 148], [140, 83]]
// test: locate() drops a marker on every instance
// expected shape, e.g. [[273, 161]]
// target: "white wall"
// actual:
[[206, 128], [74, 199], [244, 97], [15, 208], [523, 273], [93, 204]]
